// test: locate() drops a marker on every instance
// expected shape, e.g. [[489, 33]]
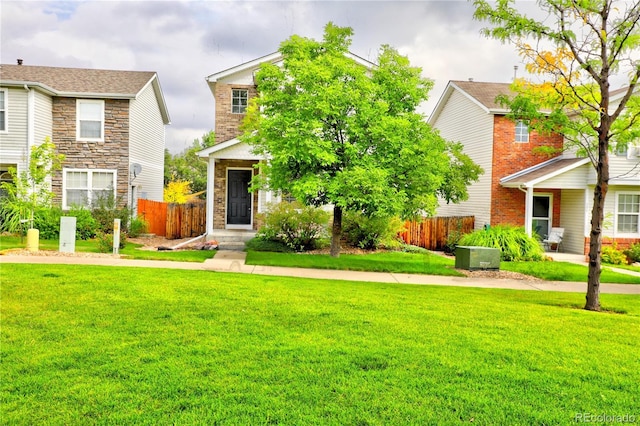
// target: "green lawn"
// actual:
[[130, 250], [106, 345], [412, 263], [427, 263]]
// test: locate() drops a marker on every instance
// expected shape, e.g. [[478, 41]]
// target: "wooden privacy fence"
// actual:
[[432, 232], [174, 221]]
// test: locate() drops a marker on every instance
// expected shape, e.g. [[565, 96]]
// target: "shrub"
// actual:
[[105, 209], [47, 222], [371, 232], [105, 242], [294, 225], [137, 226], [85, 223], [633, 252], [613, 256], [513, 242]]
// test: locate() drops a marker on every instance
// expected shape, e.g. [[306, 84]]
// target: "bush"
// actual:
[[105, 209], [137, 226], [47, 222], [613, 256], [633, 252], [294, 225], [371, 232], [105, 242], [513, 242]]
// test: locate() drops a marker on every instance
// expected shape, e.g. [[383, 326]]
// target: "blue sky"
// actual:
[[184, 41]]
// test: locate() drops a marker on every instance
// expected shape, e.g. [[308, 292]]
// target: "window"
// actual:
[[522, 132], [84, 187], [628, 213], [239, 99], [3, 110], [90, 120]]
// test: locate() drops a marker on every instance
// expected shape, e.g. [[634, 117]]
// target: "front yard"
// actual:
[[107, 345]]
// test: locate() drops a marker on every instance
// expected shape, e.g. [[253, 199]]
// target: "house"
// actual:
[[110, 126], [230, 206], [524, 187]]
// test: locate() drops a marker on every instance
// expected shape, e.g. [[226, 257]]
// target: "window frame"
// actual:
[[519, 135], [4, 93], [618, 213], [100, 102], [241, 109], [89, 188]]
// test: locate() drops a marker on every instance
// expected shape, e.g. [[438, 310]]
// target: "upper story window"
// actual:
[[3, 110], [522, 132], [90, 120], [239, 98], [628, 214]]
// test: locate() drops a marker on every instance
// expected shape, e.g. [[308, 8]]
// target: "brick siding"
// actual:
[[228, 123], [112, 153], [220, 190], [508, 204]]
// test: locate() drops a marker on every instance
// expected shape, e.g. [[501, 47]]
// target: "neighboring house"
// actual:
[[526, 188], [110, 126], [230, 206]]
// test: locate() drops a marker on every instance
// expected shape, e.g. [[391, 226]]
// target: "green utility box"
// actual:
[[474, 258]]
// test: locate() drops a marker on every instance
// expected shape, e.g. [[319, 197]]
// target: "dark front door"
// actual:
[[238, 197]]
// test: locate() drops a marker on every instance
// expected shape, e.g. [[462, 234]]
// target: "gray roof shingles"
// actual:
[[78, 80], [485, 93]]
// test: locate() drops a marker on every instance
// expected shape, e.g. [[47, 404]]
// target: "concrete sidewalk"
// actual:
[[234, 261]]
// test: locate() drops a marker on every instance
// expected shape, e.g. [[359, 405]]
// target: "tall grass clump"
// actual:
[[513, 242]]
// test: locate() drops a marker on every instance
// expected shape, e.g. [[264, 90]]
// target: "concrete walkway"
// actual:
[[234, 261]]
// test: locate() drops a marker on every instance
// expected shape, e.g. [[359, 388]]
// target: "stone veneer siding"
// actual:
[[228, 123], [112, 153], [509, 156], [220, 190]]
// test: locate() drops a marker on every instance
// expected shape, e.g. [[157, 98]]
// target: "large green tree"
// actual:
[[339, 132], [187, 166], [579, 47]]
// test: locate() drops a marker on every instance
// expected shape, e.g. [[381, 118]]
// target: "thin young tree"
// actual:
[[579, 47], [338, 132]]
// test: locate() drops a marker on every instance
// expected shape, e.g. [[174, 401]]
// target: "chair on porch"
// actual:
[[554, 238]]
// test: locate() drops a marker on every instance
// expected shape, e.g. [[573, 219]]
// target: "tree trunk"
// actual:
[[336, 231], [597, 218]]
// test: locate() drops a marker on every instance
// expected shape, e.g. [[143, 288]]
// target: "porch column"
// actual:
[[528, 210], [211, 176]]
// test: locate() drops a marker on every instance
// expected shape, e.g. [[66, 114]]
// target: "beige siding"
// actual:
[[574, 179], [622, 170], [465, 122], [44, 119], [573, 215], [13, 143], [146, 132]]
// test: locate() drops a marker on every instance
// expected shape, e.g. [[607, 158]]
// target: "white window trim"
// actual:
[[520, 123], [616, 212], [5, 93], [550, 218], [244, 90], [89, 182], [89, 101]]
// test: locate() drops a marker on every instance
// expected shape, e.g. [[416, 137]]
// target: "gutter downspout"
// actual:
[[528, 209], [30, 123]]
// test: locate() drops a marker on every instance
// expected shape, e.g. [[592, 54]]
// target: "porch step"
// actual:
[[231, 239]]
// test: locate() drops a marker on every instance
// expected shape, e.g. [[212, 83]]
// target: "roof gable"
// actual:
[[481, 94]]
